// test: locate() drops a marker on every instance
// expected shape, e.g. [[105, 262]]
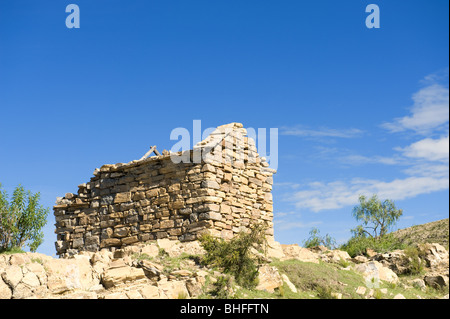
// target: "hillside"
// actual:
[[171, 270], [434, 232]]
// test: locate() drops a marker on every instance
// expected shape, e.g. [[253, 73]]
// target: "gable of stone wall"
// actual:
[[156, 198]]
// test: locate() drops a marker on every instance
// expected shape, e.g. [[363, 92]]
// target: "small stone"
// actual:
[[361, 290], [336, 295]]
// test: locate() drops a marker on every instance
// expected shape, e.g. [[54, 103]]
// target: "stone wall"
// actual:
[[219, 187]]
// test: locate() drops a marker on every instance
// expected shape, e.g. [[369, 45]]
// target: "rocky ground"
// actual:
[[434, 232], [170, 269]]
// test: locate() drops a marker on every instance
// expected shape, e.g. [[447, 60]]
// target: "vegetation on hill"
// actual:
[[434, 232]]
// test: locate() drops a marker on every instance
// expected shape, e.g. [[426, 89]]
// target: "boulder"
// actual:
[[335, 256], [370, 252], [289, 283], [151, 250], [296, 252], [436, 281], [194, 287], [69, 274], [319, 249], [150, 292], [39, 271], [269, 278], [274, 249], [113, 277], [12, 275], [150, 269], [435, 255], [419, 283], [30, 279], [374, 270], [395, 260], [173, 289], [360, 259], [5, 290], [22, 291]]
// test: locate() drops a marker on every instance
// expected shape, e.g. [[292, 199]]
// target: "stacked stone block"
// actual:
[[220, 187]]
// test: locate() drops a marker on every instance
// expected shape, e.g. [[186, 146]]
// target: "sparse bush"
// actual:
[[162, 252], [223, 288], [344, 263], [359, 245], [234, 256], [182, 295], [378, 294], [324, 292], [413, 259], [316, 240], [280, 291]]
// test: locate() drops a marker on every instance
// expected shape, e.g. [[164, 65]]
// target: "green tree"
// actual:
[[315, 240], [377, 216], [21, 220]]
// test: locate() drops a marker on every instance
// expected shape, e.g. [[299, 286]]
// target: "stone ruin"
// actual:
[[220, 187]]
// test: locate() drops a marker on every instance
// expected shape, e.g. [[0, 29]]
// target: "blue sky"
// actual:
[[358, 110]]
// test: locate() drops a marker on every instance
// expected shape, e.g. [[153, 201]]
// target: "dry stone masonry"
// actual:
[[220, 187]]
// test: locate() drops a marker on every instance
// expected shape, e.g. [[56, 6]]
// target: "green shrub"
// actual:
[[280, 291], [12, 250], [234, 256], [415, 263], [324, 292], [182, 295], [358, 245], [222, 288], [344, 263], [315, 240], [378, 294], [21, 220]]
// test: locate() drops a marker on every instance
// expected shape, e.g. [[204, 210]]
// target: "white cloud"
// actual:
[[338, 194], [321, 132], [428, 149], [429, 112], [428, 169]]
